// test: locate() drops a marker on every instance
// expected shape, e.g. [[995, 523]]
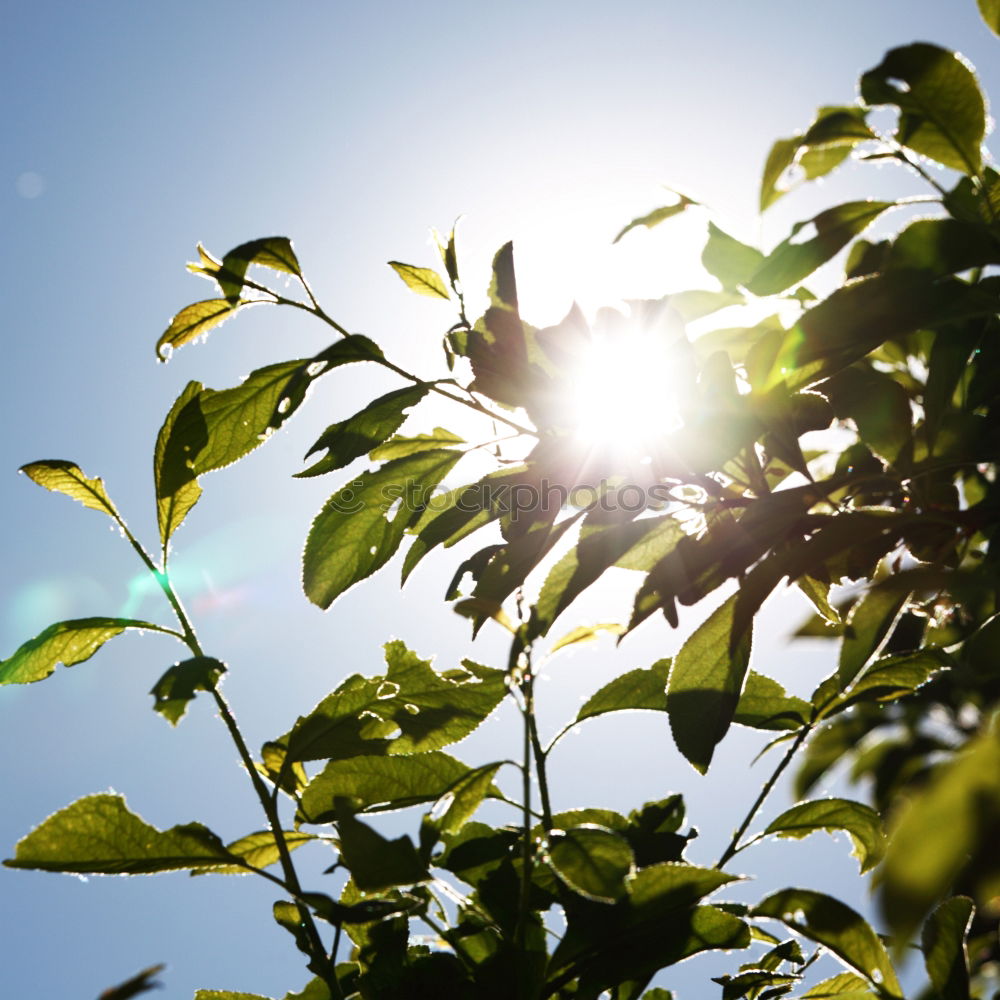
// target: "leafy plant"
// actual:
[[886, 525]]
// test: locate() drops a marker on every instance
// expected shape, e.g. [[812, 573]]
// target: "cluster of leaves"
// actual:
[[887, 527]]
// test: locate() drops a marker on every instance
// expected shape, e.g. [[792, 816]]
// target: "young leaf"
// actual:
[[412, 709], [355, 534], [658, 215], [97, 835], [943, 114], [178, 685], [68, 643], [704, 686], [176, 491], [379, 783], [837, 927], [945, 953], [585, 633], [193, 321], [358, 435], [592, 861], [375, 862], [861, 823], [274, 252], [258, 849], [636, 689], [422, 280], [67, 477]]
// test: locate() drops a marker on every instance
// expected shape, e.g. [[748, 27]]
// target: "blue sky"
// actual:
[[135, 130]]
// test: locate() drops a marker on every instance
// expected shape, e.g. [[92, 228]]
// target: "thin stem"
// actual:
[[525, 903], [536, 744], [734, 845]]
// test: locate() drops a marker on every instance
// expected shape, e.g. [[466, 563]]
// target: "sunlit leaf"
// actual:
[[779, 159], [455, 808], [67, 477], [861, 823], [177, 491], [193, 321], [867, 626], [98, 835], [764, 704], [177, 687], [990, 10], [69, 643], [658, 215], [274, 252], [401, 447], [725, 258], [421, 279], [704, 686], [846, 986], [837, 927], [359, 434], [592, 861], [361, 525], [942, 112], [585, 633], [635, 689], [259, 849]]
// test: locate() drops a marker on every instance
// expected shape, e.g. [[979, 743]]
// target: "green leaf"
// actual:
[[847, 986], [67, 477], [585, 633], [133, 987], [178, 685], [697, 302], [227, 995], [925, 853], [942, 112], [97, 835], [411, 709], [421, 279], [837, 927], [458, 804], [356, 532], [274, 252], [658, 215], [990, 10], [259, 849], [375, 862], [704, 686], [764, 704], [636, 689], [943, 943], [867, 626], [176, 490], [359, 434], [943, 246], [879, 407], [592, 861], [861, 823], [68, 643], [725, 258], [779, 160], [792, 261], [379, 783], [193, 321], [402, 447]]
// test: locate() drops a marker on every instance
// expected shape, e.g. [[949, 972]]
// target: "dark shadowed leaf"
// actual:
[[274, 252], [942, 112], [177, 491], [133, 987], [945, 954], [193, 321], [636, 689], [592, 861], [361, 525], [67, 477], [421, 279], [359, 434], [861, 823], [944, 246], [97, 835], [704, 686], [177, 687], [867, 625], [374, 861], [840, 929], [69, 643]]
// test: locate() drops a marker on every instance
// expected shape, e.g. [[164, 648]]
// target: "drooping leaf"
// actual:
[[359, 434], [139, 983], [946, 956], [358, 530], [69, 643], [374, 861], [97, 835], [259, 849], [726, 258], [67, 477], [658, 215], [193, 321], [636, 689], [592, 860], [379, 782], [704, 686], [176, 490], [837, 927], [861, 823], [177, 687], [764, 704], [411, 709], [401, 447], [942, 112], [422, 280], [274, 252]]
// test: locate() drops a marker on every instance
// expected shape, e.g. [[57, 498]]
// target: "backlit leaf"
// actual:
[[97, 835], [585, 633], [67, 477], [360, 526], [725, 258], [177, 687], [374, 861], [193, 321], [764, 704], [401, 447], [259, 849], [636, 689], [867, 626], [274, 252], [704, 686], [421, 279], [944, 946], [455, 808], [861, 823], [592, 861], [658, 215], [177, 491], [69, 643], [990, 10]]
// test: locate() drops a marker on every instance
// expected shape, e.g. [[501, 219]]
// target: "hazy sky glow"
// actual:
[[134, 130]]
